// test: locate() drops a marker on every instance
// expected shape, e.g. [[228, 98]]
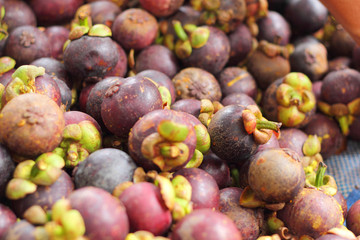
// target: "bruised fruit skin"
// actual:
[[276, 175], [26, 44], [7, 219], [248, 221], [311, 212], [237, 80], [45, 196], [7, 166], [149, 57], [104, 215], [196, 83], [161, 8], [55, 11], [135, 29], [205, 192], [145, 141], [105, 168], [31, 124], [146, 209], [205, 224], [90, 58], [124, 103]]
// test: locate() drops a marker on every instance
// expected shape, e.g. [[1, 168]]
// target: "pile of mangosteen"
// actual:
[[181, 120]]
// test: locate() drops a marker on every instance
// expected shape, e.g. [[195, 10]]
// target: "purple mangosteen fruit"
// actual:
[[236, 132], [237, 80], [315, 211], [146, 209], [294, 139], [128, 100], [217, 168], [248, 221], [104, 215], [105, 168], [290, 100], [196, 83], [26, 44], [135, 28], [31, 124], [205, 224], [149, 57], [205, 192], [352, 219], [162, 140], [239, 99], [339, 63], [189, 105], [268, 63], [274, 28], [241, 44], [161, 8], [7, 219], [21, 230], [102, 12], [121, 66], [57, 36], [75, 117], [54, 12], [14, 17], [341, 43], [7, 166]]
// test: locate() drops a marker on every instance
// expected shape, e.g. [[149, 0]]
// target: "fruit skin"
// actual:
[[26, 44], [75, 117], [135, 29], [217, 168], [146, 208], [105, 168], [55, 11], [248, 221], [104, 12], [41, 128], [148, 125], [149, 57], [90, 58], [7, 219], [45, 196], [213, 56], [229, 140], [7, 166], [352, 219], [238, 98], [104, 215], [22, 230], [205, 224], [57, 36], [15, 18], [193, 82], [205, 192], [124, 103], [240, 44], [162, 8], [311, 212], [294, 139], [276, 175]]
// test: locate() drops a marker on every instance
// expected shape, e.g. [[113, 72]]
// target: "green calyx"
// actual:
[[2, 89], [248, 199], [207, 110], [100, 30], [256, 124], [6, 64], [202, 138], [164, 92], [196, 160], [23, 81], [18, 188], [36, 215], [3, 26], [312, 146], [172, 131], [211, 5], [199, 37], [294, 92], [79, 140], [274, 224], [319, 180]]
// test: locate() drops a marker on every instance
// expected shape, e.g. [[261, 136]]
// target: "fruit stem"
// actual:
[[179, 30], [320, 173], [265, 124]]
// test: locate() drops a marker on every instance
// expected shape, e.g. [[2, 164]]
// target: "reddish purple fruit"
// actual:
[[75, 117], [217, 168], [205, 224], [239, 99], [146, 209], [26, 44], [352, 219], [14, 17], [103, 12], [205, 191], [135, 29], [104, 215], [294, 139], [57, 36], [162, 8], [7, 166], [7, 219], [22, 230], [240, 44], [189, 105]]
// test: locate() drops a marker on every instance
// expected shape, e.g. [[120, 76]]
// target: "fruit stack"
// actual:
[[181, 120]]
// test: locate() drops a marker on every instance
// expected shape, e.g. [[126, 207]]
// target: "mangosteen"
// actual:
[[239, 99], [31, 124], [236, 132], [102, 12], [341, 43], [135, 28], [7, 166], [90, 53], [21, 230], [26, 44], [339, 63], [105, 168], [161, 9], [268, 63], [237, 80], [217, 168], [55, 11], [18, 13], [310, 58], [7, 219], [162, 140], [241, 44], [149, 57], [294, 139], [290, 100], [196, 83], [57, 36], [205, 224], [189, 105], [121, 66]]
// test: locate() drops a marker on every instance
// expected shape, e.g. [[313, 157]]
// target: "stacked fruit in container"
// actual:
[[198, 119]]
